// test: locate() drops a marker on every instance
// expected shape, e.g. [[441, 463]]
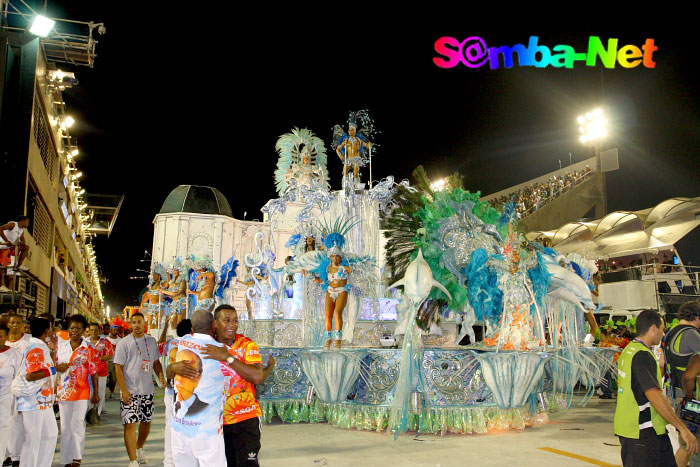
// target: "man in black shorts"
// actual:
[[135, 358], [642, 410]]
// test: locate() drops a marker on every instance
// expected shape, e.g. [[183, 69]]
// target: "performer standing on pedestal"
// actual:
[[353, 147], [336, 295]]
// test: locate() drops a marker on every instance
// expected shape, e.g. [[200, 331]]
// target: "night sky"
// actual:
[[187, 99]]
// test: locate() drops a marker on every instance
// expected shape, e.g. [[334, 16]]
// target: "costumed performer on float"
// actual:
[[351, 147], [153, 300], [226, 278], [306, 256], [177, 291], [302, 158], [335, 282], [206, 281]]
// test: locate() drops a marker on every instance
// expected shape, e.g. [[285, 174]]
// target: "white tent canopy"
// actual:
[[622, 233]]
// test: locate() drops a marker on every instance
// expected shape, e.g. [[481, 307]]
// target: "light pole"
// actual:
[[593, 129]]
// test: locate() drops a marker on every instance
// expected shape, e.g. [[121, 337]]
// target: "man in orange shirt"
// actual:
[[242, 410]]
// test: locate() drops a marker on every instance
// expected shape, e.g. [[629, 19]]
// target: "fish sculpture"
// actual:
[[418, 281], [567, 285]]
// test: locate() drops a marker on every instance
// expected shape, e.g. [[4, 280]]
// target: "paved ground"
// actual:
[[583, 432]]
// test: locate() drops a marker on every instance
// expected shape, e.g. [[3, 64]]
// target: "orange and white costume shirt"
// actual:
[[241, 402], [103, 347], [21, 344], [38, 358], [74, 384]]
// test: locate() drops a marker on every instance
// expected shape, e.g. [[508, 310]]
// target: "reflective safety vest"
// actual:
[[627, 410], [677, 361]]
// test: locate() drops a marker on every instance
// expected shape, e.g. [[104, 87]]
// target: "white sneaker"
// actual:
[[24, 268], [4, 289], [133, 464], [141, 457]]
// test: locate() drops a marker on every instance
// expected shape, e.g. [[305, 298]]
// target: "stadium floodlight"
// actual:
[[592, 126], [438, 185], [42, 26]]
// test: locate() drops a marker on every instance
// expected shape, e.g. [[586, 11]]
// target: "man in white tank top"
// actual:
[[12, 243]]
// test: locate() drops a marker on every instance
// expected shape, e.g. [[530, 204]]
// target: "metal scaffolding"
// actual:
[[70, 41]]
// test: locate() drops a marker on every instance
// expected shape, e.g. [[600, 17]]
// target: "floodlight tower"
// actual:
[[593, 129]]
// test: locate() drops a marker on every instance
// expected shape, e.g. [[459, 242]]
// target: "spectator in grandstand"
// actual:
[[12, 244], [533, 197]]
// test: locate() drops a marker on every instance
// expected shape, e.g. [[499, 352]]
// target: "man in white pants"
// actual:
[[169, 351], [40, 429], [105, 353], [10, 362], [18, 340], [196, 433]]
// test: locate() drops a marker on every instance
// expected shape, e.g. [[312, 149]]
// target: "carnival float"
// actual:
[[366, 296]]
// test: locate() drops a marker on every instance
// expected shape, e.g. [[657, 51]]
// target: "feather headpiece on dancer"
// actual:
[[363, 123], [176, 265], [200, 262], [159, 269], [335, 250], [293, 148], [334, 233]]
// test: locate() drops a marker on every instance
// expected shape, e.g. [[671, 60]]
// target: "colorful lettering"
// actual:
[[474, 53]]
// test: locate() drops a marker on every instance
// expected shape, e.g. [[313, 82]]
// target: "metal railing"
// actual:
[[674, 284], [24, 290]]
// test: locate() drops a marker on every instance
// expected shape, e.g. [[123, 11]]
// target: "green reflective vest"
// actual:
[[627, 410]]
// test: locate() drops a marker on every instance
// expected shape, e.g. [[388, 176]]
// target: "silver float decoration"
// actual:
[[333, 374], [316, 196], [511, 376]]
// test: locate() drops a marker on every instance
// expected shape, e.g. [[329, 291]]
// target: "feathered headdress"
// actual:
[[227, 273], [334, 233], [292, 147], [200, 262], [157, 268], [177, 263], [361, 120]]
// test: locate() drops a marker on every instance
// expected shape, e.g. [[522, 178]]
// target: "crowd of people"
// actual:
[[532, 197], [210, 371]]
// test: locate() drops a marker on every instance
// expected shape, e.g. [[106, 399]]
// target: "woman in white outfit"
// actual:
[[77, 362]]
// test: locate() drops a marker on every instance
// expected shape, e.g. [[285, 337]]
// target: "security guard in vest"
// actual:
[[690, 385], [682, 342], [642, 410]]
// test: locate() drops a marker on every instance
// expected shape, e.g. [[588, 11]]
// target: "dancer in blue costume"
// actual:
[[177, 291], [337, 290]]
